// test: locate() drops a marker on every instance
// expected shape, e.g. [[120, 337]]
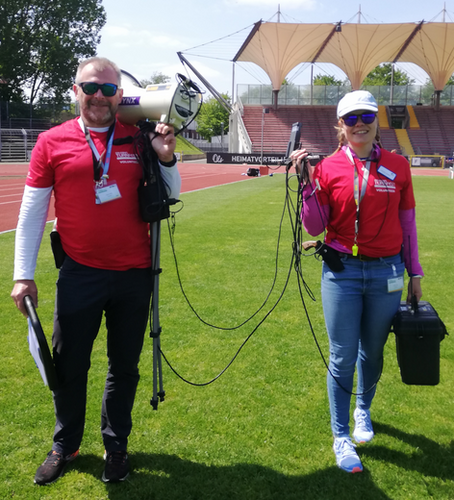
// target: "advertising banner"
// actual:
[[245, 158]]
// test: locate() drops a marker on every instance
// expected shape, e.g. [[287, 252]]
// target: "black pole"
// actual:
[[155, 243]]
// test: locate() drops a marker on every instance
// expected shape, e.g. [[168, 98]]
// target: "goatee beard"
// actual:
[[93, 115]]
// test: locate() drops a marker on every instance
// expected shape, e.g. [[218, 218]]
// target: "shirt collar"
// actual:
[[374, 155]]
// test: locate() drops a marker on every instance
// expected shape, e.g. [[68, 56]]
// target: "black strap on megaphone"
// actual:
[[153, 200]]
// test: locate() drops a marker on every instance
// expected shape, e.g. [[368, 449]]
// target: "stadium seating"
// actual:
[[435, 134], [317, 133]]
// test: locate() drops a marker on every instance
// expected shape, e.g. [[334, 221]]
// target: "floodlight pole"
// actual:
[[264, 111], [155, 242]]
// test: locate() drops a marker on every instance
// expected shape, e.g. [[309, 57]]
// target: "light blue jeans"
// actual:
[[358, 312]]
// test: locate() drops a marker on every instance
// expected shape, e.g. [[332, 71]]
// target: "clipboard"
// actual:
[[38, 346]]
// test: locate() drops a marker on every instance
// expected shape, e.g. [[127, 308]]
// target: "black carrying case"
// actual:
[[418, 331]]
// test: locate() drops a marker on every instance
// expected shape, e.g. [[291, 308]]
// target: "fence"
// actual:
[[16, 144], [16, 115], [215, 145], [320, 95]]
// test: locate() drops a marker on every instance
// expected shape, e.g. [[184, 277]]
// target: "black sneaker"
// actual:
[[117, 466], [53, 467]]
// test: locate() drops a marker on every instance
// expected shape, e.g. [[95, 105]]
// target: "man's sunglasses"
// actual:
[[352, 120], [107, 89]]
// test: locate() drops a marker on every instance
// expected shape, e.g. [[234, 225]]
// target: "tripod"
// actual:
[[155, 243]]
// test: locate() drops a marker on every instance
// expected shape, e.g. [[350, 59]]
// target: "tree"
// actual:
[[41, 43], [156, 78], [381, 75], [210, 117], [326, 80], [328, 89]]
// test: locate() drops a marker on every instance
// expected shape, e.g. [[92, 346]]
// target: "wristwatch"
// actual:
[[170, 163]]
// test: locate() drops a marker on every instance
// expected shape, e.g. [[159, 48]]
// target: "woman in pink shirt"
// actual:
[[362, 198]]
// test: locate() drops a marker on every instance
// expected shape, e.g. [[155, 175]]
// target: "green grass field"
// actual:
[[261, 431]]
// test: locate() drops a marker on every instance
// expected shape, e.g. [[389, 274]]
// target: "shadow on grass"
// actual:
[[427, 457], [156, 477]]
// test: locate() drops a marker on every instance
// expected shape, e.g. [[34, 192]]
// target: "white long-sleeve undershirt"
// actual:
[[30, 229], [172, 180]]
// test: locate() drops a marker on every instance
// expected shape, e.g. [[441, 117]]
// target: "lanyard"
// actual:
[[97, 158], [358, 195]]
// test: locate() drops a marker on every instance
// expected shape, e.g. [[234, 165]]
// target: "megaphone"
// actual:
[[174, 103]]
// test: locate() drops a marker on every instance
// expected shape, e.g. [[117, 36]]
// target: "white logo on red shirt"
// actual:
[[382, 185], [125, 157]]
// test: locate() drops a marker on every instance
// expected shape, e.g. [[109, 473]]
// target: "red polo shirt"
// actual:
[[107, 236], [389, 188]]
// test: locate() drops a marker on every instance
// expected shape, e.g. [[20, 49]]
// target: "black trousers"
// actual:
[[83, 294]]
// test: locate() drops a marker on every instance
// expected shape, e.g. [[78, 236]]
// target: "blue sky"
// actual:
[[144, 37]]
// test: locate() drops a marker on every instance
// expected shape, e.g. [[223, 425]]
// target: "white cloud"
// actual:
[[114, 31], [127, 36]]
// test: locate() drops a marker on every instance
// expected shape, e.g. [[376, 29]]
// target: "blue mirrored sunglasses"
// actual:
[[352, 120], [90, 88]]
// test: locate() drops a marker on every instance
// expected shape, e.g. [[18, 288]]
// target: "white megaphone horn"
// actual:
[[174, 103]]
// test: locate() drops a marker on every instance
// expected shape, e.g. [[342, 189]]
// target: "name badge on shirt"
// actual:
[[107, 193], [386, 172]]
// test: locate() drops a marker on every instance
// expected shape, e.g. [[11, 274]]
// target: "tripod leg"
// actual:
[[161, 392], [156, 328]]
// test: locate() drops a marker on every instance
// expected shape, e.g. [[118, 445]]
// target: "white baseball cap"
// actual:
[[356, 101]]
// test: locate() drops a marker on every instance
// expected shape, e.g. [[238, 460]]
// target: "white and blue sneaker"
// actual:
[[346, 457], [363, 432]]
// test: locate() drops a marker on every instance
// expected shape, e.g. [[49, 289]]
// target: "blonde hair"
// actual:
[[343, 141], [100, 64]]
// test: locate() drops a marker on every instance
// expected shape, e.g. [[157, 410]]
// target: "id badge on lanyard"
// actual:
[[105, 190], [105, 193], [395, 282]]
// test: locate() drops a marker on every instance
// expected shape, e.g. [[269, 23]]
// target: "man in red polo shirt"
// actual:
[[107, 268]]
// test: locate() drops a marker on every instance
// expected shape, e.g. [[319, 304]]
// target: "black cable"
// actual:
[[256, 312], [202, 384], [196, 88], [297, 244], [297, 229], [153, 198], [255, 328], [297, 232]]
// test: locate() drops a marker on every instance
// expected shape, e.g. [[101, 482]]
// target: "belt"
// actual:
[[364, 258]]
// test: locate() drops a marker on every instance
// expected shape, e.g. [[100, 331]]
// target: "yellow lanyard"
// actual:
[[357, 194]]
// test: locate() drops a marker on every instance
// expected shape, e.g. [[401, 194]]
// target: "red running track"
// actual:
[[194, 176]]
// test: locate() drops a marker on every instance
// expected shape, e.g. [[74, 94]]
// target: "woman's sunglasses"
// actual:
[[352, 120], [90, 88]]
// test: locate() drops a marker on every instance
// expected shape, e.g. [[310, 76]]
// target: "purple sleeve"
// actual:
[[314, 216], [410, 243]]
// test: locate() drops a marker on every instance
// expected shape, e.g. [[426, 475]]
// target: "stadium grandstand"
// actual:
[[417, 130], [412, 120]]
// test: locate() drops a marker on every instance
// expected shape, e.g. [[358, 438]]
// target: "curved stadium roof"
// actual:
[[355, 48]]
